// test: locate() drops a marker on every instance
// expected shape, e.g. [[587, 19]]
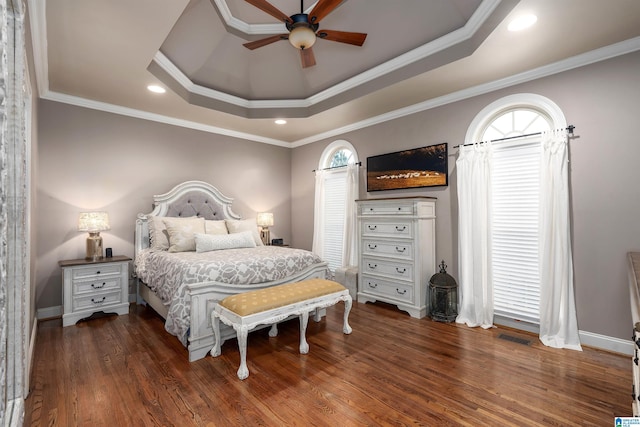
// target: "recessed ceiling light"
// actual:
[[281, 122], [156, 89], [521, 22]]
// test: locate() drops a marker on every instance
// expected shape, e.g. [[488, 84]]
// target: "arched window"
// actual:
[[336, 190], [514, 223]]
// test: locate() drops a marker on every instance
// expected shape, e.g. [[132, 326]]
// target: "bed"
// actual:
[[183, 284]]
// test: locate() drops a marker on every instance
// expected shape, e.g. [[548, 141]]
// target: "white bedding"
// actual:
[[168, 274]]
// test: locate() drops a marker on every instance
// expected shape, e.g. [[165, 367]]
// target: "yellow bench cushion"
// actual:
[[278, 296]]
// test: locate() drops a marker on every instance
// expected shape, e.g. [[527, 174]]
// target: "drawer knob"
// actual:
[[404, 227], [372, 246], [401, 270], [401, 292], [373, 266], [372, 227], [401, 250], [373, 285], [93, 285], [98, 302]]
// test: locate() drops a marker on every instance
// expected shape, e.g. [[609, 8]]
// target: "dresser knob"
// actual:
[[372, 246], [98, 272], [93, 285], [404, 291], [401, 270], [373, 285], [373, 266], [99, 301], [372, 227], [401, 228], [401, 250]]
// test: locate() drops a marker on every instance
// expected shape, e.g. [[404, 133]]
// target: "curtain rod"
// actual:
[[569, 128], [336, 167]]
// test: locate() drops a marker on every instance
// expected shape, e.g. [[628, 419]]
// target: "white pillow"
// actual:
[[181, 233], [158, 236], [216, 242], [236, 226], [215, 227]]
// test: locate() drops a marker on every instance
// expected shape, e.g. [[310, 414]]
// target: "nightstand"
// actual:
[[93, 286]]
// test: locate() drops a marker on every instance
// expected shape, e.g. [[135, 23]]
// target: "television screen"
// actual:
[[418, 167]]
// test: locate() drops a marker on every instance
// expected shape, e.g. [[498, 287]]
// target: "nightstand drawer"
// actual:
[[96, 301], [96, 270], [93, 286]]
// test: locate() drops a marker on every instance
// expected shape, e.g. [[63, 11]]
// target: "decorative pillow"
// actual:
[[159, 238], [215, 227], [236, 226], [181, 233], [216, 242]]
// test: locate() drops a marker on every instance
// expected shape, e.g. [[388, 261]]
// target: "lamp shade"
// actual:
[[265, 219], [302, 37], [93, 222]]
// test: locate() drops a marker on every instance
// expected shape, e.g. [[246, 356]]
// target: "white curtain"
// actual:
[[474, 182], [558, 322], [318, 224], [349, 244]]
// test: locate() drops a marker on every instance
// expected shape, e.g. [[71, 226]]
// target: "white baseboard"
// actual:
[[49, 312], [602, 342]]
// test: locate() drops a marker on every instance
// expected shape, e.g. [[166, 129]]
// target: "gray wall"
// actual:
[[602, 101], [92, 160]]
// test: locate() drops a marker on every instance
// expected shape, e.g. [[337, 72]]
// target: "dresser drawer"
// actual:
[[403, 250], [96, 270], [93, 286], [388, 267], [97, 300], [386, 288], [396, 229], [386, 209]]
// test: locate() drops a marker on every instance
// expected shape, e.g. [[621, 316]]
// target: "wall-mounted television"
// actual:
[[418, 167]]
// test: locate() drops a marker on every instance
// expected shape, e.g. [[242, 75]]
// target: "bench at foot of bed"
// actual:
[[269, 306]]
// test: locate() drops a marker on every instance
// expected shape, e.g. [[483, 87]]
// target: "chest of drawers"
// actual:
[[92, 286], [396, 251]]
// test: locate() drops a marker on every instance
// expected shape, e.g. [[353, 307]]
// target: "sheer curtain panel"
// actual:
[[350, 253], [558, 321], [474, 183]]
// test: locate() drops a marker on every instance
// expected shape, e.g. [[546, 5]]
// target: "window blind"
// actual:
[[514, 230], [334, 210]]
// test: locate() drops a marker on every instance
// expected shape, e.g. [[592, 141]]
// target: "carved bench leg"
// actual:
[[273, 332], [215, 323], [346, 328], [242, 332], [304, 346]]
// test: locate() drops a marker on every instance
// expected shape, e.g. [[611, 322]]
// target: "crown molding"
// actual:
[[450, 40], [145, 115], [597, 55]]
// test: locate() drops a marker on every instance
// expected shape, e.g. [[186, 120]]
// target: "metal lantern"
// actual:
[[443, 296]]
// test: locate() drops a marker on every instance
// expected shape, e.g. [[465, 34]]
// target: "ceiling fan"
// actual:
[[303, 29]]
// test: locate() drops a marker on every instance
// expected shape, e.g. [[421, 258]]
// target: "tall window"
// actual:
[[515, 178], [336, 191]]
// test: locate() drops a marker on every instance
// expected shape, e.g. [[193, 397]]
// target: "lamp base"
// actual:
[[265, 236], [94, 247]]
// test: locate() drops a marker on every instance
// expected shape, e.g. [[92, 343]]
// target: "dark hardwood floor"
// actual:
[[392, 370]]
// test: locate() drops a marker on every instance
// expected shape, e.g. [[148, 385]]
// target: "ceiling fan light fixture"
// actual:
[[302, 37]]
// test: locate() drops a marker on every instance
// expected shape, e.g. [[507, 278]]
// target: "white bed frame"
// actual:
[[203, 295]]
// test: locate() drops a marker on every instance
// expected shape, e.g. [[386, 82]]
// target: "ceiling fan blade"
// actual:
[[263, 42], [343, 37], [265, 6], [307, 57], [322, 9]]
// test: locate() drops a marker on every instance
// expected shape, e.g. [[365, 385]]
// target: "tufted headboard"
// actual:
[[191, 198]]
